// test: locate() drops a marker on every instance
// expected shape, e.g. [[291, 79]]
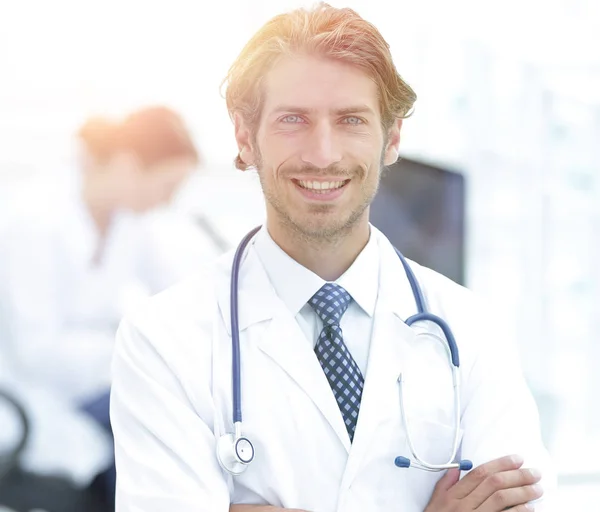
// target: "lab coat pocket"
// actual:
[[411, 486], [431, 441]]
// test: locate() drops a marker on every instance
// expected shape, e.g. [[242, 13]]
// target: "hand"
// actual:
[[498, 485]]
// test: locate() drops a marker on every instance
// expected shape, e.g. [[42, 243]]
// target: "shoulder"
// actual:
[[459, 307], [440, 291], [179, 320], [170, 336], [191, 298], [479, 330]]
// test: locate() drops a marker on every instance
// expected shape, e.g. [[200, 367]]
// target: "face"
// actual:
[[319, 147], [142, 189]]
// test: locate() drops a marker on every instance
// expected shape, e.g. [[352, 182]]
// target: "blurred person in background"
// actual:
[[75, 259]]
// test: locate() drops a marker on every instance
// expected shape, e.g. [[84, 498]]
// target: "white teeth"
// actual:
[[321, 185]]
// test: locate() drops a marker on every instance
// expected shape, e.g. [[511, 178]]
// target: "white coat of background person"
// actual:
[[75, 256], [318, 106]]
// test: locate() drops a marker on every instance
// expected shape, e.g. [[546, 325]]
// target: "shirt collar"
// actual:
[[295, 284]]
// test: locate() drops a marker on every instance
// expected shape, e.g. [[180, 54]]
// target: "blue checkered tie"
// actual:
[[343, 374]]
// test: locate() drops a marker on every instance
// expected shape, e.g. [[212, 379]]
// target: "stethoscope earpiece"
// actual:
[[465, 465], [402, 462]]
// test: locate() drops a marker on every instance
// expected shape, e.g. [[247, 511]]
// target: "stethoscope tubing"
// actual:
[[422, 316]]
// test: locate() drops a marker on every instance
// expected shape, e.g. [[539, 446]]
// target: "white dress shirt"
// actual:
[[295, 285]]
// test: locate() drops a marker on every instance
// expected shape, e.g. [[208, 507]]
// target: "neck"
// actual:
[[328, 257], [98, 204]]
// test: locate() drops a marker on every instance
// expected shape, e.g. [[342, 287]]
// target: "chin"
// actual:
[[322, 230]]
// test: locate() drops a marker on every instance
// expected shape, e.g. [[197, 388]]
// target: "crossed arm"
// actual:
[[501, 484]]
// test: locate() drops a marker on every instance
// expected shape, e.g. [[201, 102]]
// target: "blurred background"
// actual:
[[501, 158]]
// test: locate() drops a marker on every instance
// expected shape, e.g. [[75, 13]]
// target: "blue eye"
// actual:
[[353, 120], [292, 119]]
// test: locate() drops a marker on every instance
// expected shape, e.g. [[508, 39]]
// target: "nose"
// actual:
[[321, 148]]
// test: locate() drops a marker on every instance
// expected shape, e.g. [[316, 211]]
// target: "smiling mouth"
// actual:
[[321, 187]]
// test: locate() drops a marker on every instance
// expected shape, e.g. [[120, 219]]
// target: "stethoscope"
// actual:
[[235, 452]]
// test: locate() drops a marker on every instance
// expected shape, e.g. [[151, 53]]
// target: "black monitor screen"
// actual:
[[421, 209]]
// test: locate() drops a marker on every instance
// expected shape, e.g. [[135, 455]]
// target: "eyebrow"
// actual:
[[356, 109]]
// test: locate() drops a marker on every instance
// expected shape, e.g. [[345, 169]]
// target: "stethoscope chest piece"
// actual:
[[234, 453]]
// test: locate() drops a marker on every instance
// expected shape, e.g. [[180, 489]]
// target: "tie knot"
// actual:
[[330, 303]]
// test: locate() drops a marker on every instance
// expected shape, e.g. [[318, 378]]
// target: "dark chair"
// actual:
[[23, 491]]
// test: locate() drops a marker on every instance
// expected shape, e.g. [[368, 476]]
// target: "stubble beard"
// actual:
[[319, 233]]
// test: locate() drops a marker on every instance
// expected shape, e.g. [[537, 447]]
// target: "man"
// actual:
[[318, 106]]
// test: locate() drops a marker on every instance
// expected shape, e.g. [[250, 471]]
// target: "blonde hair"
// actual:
[[324, 30]]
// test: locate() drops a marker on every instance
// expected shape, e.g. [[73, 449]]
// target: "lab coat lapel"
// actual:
[[284, 343], [388, 355], [282, 340]]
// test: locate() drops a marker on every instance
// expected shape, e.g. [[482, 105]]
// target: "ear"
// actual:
[[393, 143], [243, 137]]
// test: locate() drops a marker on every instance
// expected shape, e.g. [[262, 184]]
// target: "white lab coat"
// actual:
[[172, 399], [59, 312]]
